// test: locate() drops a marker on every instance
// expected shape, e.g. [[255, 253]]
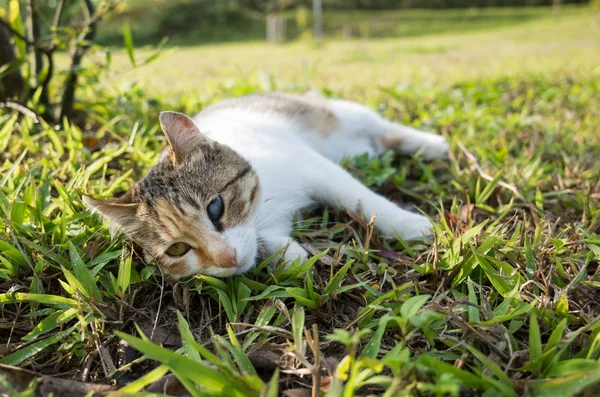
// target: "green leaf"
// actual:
[[301, 268], [334, 283], [499, 282], [524, 309], [556, 335], [473, 311], [243, 293], [466, 378], [272, 388], [213, 281], [128, 41], [569, 385], [239, 355], [51, 322], [371, 349], [83, 274], [413, 305], [12, 297], [137, 385], [189, 341], [301, 296], [298, 326], [124, 274], [183, 367], [489, 189], [29, 351], [491, 366], [273, 291], [186, 335], [574, 365], [535, 339]]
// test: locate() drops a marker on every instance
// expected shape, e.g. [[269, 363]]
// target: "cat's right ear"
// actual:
[[181, 132], [120, 212]]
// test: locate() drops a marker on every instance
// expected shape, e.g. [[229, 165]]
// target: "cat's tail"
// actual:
[[407, 140]]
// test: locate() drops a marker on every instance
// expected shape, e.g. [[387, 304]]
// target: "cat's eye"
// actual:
[[215, 209], [178, 249]]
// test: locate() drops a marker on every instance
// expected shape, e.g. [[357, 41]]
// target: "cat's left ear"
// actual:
[[121, 212], [181, 132]]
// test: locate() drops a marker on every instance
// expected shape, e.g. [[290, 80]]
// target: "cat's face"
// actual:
[[193, 211]]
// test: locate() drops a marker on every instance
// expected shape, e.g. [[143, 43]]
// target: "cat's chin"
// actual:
[[228, 272]]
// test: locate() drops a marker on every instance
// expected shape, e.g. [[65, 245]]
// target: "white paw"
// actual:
[[295, 251], [435, 147], [408, 225], [418, 226]]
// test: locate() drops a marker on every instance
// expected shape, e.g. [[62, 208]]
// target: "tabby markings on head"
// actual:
[[192, 211]]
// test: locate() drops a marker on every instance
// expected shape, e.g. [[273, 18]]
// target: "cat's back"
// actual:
[[309, 112]]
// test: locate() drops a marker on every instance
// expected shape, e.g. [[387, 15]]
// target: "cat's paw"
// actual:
[[436, 147], [288, 249], [295, 251], [418, 226], [408, 225]]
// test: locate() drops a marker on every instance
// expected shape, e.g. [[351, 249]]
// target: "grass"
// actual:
[[544, 45], [504, 300], [181, 21]]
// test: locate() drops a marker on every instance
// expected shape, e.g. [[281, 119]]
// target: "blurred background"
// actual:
[[338, 45]]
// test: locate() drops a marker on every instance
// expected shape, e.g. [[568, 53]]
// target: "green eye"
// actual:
[[178, 249]]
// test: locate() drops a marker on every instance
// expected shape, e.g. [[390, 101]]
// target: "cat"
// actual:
[[232, 178]]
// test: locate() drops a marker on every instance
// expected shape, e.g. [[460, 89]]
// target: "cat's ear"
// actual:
[[181, 132], [119, 212]]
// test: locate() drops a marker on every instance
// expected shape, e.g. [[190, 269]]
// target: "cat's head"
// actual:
[[193, 211]]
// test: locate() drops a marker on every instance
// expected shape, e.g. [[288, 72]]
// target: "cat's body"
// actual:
[[285, 154]]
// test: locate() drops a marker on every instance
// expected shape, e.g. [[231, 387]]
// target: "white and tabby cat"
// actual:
[[233, 178]]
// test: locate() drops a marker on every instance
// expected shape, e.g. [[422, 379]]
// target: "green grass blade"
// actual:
[[50, 323], [535, 339], [25, 353], [211, 380], [83, 274], [128, 41], [54, 300]]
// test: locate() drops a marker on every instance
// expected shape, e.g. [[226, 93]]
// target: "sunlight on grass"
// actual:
[[503, 300]]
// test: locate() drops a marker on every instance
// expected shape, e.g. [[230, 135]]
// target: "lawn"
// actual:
[[504, 300]]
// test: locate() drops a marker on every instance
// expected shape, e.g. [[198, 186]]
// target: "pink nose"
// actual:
[[227, 259]]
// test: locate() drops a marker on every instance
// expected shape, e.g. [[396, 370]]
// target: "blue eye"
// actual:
[[215, 210]]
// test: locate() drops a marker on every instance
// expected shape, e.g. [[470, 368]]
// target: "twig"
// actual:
[[274, 330], [485, 175], [21, 109], [19, 35], [162, 289], [317, 367]]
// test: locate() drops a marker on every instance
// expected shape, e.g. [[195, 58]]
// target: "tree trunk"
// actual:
[[33, 35], [68, 98], [11, 84], [317, 20], [556, 7]]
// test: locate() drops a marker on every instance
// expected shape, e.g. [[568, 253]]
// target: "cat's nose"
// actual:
[[227, 259]]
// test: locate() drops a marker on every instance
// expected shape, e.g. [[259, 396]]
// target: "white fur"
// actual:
[[298, 167]]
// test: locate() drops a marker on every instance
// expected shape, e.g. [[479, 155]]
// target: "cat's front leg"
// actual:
[[338, 188], [290, 249]]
